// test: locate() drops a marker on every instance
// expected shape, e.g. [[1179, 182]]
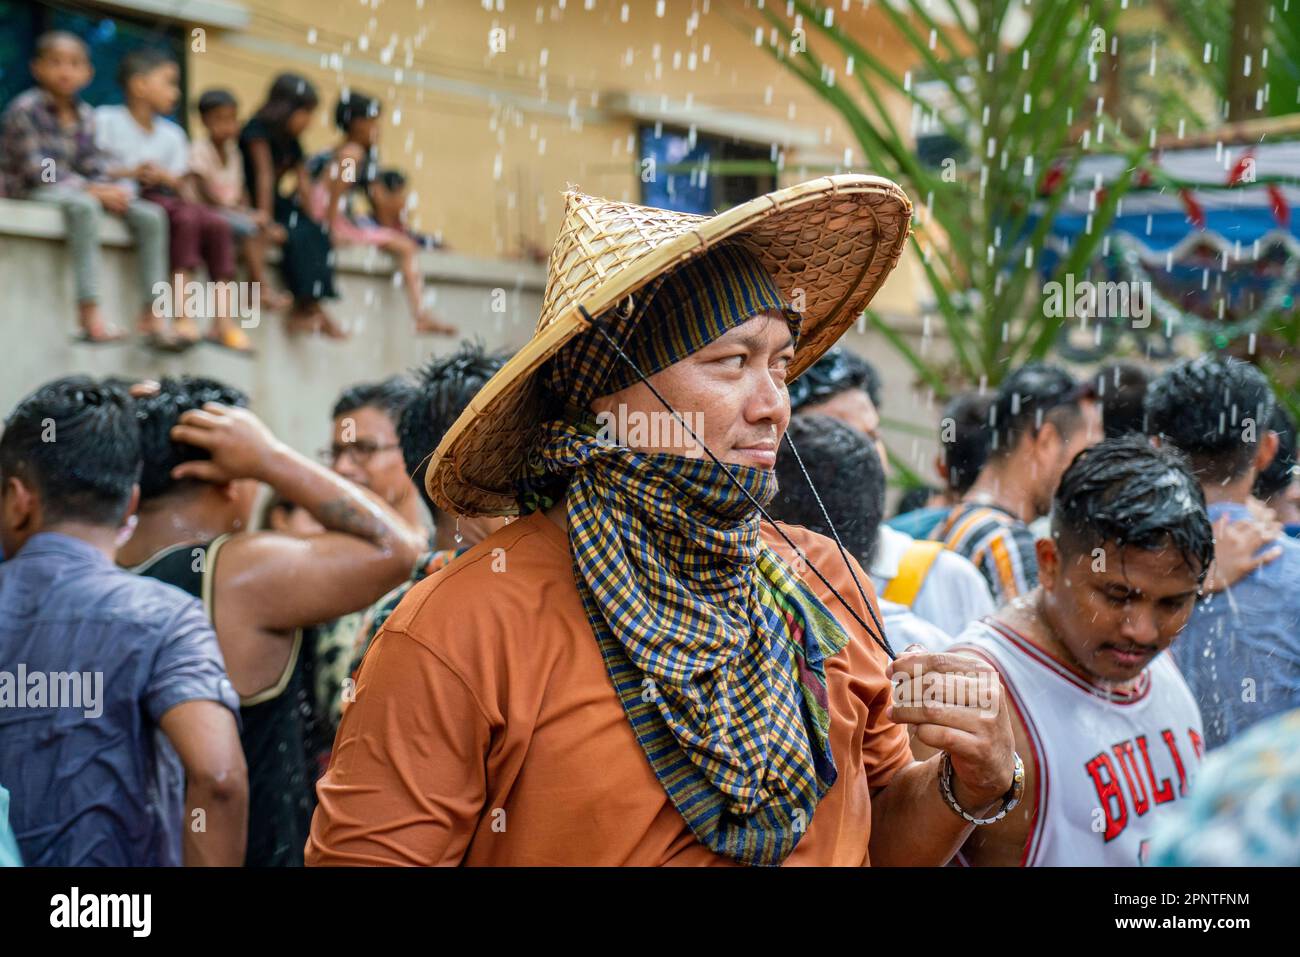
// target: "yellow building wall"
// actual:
[[492, 127]]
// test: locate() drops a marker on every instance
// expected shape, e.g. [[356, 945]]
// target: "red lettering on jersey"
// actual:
[[1137, 788], [1107, 790], [1172, 745], [1197, 745], [1164, 791]]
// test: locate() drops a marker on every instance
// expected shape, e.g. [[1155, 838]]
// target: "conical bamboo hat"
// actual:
[[829, 243]]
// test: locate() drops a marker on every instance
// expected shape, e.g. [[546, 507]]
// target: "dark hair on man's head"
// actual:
[[289, 93], [1029, 398], [353, 106], [964, 438], [76, 443], [1214, 411], [839, 370], [443, 389], [139, 62], [1129, 494], [159, 413], [913, 498], [392, 179], [389, 396], [846, 471], [215, 99], [1121, 390], [48, 40], [1281, 471]]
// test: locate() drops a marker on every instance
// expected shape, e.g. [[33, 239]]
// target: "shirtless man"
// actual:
[[204, 457], [1109, 732]]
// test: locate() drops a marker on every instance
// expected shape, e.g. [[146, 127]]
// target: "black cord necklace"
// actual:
[[878, 633]]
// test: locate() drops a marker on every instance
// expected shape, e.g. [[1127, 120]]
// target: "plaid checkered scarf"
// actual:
[[716, 649]]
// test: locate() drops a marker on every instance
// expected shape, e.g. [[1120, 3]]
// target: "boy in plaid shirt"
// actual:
[[48, 153]]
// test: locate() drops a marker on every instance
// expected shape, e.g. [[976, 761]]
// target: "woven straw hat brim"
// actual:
[[830, 242]]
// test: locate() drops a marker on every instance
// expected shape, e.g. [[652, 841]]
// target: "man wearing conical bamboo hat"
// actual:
[[642, 669]]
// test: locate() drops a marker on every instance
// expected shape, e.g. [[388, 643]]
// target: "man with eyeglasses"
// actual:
[[365, 448]]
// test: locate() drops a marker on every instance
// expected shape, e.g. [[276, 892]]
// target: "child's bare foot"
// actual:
[[94, 327], [313, 319], [428, 323], [273, 299]]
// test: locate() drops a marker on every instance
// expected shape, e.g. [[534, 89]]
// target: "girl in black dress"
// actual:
[[269, 143]]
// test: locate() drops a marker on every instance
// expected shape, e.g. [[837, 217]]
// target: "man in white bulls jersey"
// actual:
[[1109, 732]]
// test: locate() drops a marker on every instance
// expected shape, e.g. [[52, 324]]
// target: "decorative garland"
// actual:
[[1127, 261]]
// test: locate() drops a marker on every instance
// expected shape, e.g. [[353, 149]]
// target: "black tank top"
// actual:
[[281, 798]]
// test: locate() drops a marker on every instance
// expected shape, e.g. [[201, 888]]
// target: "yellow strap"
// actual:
[[912, 569]]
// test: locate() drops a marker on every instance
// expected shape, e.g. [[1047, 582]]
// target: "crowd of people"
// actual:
[[226, 627], [234, 679], [233, 193]]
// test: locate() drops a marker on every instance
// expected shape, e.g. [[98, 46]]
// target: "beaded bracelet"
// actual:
[[1009, 800]]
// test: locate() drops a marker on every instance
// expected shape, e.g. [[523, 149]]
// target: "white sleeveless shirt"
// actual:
[[1110, 765]]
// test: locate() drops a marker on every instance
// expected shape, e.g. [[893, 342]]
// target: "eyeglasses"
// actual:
[[360, 452]]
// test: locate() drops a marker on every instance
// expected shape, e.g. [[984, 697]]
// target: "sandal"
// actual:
[[232, 338], [165, 341], [187, 331]]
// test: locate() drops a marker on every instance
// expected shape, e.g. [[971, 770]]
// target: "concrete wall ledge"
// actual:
[[36, 220]]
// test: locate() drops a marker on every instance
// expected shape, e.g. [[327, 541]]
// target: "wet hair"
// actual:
[[965, 454], [215, 100], [1121, 390], [1127, 493], [289, 93], [1032, 396], [139, 62], [1275, 479], [159, 413], [839, 370], [389, 396], [846, 471], [914, 498], [353, 106], [1202, 407], [443, 389], [76, 443], [51, 38]]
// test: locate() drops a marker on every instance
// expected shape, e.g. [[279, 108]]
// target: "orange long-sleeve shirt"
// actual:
[[485, 729]]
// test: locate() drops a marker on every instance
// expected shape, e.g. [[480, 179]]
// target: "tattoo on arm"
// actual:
[[353, 518]]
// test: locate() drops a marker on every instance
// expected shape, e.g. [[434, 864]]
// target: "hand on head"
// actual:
[[240, 444]]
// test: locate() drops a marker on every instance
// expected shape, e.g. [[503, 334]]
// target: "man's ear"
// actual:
[[1266, 452], [1049, 562], [133, 505], [1045, 446], [22, 507], [225, 489], [941, 470]]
